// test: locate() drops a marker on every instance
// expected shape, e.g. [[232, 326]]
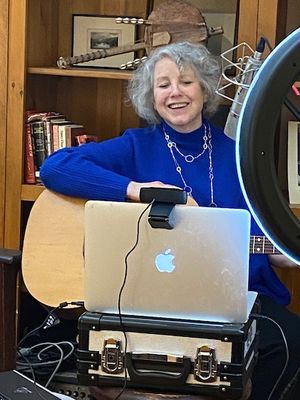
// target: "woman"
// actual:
[[174, 91]]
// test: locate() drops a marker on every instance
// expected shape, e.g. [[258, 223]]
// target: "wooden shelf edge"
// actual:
[[82, 72], [31, 192]]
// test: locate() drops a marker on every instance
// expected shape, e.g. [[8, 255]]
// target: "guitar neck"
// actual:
[[262, 245]]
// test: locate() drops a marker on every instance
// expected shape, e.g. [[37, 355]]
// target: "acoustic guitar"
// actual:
[[52, 259]]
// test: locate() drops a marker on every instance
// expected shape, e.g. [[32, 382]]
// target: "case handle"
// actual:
[[159, 377]]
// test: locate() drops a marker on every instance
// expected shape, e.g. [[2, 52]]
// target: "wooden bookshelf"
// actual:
[[81, 73], [31, 192], [3, 109], [39, 32]]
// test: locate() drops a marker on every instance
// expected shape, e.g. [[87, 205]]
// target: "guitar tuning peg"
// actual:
[[126, 20], [119, 20]]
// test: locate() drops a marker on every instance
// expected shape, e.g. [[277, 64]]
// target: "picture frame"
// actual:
[[94, 32], [293, 162]]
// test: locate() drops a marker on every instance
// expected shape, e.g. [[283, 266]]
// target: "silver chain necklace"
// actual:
[[189, 158]]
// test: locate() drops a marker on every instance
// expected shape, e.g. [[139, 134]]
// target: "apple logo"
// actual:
[[164, 261]]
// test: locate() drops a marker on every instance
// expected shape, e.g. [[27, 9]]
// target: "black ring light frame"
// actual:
[[255, 146]]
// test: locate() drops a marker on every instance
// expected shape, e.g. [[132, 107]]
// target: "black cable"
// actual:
[[120, 295], [47, 323], [258, 316], [35, 385], [38, 327]]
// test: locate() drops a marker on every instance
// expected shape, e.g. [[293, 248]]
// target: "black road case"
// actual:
[[166, 354]]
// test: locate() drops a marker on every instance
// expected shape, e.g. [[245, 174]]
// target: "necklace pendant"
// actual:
[[212, 204]]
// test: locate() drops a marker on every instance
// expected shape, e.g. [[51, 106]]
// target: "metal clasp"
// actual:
[[205, 364], [112, 357]]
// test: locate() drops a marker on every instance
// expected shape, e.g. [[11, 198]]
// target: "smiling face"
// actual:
[[178, 96]]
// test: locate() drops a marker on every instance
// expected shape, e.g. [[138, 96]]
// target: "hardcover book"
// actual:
[[29, 164]]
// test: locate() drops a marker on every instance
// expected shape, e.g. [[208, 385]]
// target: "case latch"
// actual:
[[205, 364], [112, 357]]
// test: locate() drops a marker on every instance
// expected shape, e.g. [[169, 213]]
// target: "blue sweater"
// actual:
[[103, 170]]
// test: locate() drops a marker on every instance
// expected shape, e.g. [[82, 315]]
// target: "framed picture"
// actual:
[[294, 162], [91, 33]]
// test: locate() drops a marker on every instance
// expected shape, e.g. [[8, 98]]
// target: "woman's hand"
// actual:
[[134, 188]]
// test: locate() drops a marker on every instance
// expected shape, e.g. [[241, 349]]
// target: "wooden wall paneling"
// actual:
[[3, 107], [108, 108], [8, 272], [129, 119], [272, 20], [261, 18], [293, 16], [95, 103], [290, 277], [42, 32], [41, 93], [248, 14], [15, 106]]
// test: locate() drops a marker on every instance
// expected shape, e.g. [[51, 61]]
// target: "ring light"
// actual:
[[255, 146]]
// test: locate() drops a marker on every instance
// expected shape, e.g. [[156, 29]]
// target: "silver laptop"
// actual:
[[198, 270]]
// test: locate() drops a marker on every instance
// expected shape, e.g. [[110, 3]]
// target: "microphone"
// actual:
[[243, 80]]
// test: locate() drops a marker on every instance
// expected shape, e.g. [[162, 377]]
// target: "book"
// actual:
[[67, 133], [48, 121], [46, 132], [83, 139], [39, 145], [71, 131], [29, 164], [56, 134], [36, 142]]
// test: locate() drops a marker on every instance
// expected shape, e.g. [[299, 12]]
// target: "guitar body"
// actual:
[[52, 260]]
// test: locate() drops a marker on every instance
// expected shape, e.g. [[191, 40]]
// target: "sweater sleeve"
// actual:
[[94, 171]]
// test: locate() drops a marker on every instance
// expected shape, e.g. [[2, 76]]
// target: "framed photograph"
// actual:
[[294, 162], [91, 33]]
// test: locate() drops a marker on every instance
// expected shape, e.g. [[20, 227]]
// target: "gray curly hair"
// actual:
[[206, 66]]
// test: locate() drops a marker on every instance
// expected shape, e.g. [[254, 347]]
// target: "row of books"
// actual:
[[46, 132]]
